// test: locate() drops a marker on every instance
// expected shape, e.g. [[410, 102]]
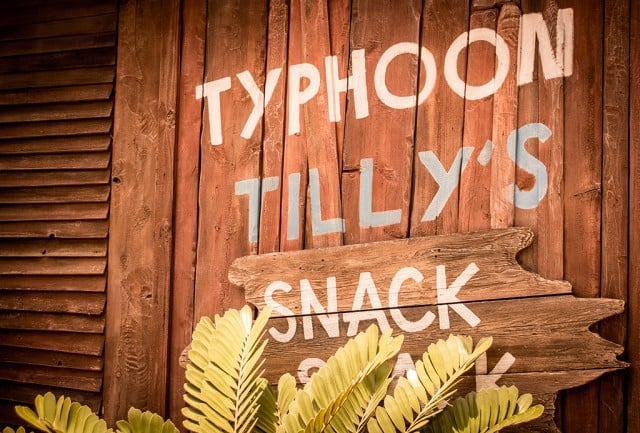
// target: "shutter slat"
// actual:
[[53, 248], [53, 283], [53, 302], [53, 266], [58, 194], [57, 145], [55, 229], [52, 322], [66, 342], [91, 92], [94, 160], [53, 178], [69, 111]]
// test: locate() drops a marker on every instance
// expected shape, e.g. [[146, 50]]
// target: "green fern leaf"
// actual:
[[486, 411], [225, 391]]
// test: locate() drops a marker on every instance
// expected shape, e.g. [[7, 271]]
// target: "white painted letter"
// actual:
[[318, 226], [380, 75], [260, 100], [394, 289], [211, 91], [486, 381], [251, 187], [310, 302], [297, 97], [282, 337], [554, 65], [447, 296], [451, 64], [293, 211], [365, 286], [306, 365], [369, 218], [447, 180], [357, 82]]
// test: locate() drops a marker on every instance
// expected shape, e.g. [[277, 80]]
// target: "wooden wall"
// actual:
[[57, 66], [191, 192]]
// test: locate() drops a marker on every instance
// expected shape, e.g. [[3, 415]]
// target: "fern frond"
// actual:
[[339, 394], [420, 396], [225, 391], [145, 422], [487, 411]]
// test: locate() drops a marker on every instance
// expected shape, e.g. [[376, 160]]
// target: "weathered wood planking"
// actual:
[[65, 342], [378, 159], [57, 194], [51, 178], [85, 160], [52, 322], [56, 44], [23, 393], [615, 192], [64, 111], [50, 359], [466, 283], [53, 301], [52, 376], [633, 325], [189, 124], [582, 187], [84, 143], [55, 229], [439, 125], [141, 215], [51, 212], [493, 253], [224, 231], [54, 283], [474, 208]]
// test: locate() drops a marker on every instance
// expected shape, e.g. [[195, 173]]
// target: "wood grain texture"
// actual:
[[52, 376], [67, 77], [59, 194], [55, 229], [83, 143], [53, 302], [52, 212], [387, 152], [440, 120], [615, 192], [583, 189], [58, 177], [63, 283], [64, 111], [65, 342], [140, 238], [189, 126], [51, 359], [82, 324], [57, 44], [87, 160]]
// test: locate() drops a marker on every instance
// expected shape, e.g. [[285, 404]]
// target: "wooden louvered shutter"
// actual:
[[57, 66]]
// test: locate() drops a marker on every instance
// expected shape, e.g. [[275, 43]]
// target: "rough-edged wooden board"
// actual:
[[81, 25], [63, 111], [50, 358], [66, 342], [57, 127], [50, 212], [53, 178], [52, 322], [141, 215], [28, 12], [439, 125], [55, 194], [189, 124], [53, 248], [615, 193], [583, 187], [493, 253], [633, 338], [24, 393], [88, 57], [53, 266], [67, 77], [82, 143], [88, 160], [375, 27], [52, 376], [56, 44], [536, 321], [64, 283], [91, 92], [55, 229], [474, 207], [53, 302]]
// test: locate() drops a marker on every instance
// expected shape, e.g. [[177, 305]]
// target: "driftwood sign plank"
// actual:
[[428, 288]]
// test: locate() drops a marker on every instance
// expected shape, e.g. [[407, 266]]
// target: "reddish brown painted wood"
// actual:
[[582, 192], [633, 325], [274, 128], [615, 192], [440, 119], [59, 377], [66, 111], [66, 342], [390, 148], [140, 235], [52, 266], [56, 44], [83, 143], [49, 212], [58, 194], [505, 118], [51, 178], [68, 77], [51, 61], [50, 359], [95, 160], [73, 283], [223, 231], [53, 302], [91, 92], [52, 322], [186, 199], [475, 182], [53, 248], [55, 229], [41, 129]]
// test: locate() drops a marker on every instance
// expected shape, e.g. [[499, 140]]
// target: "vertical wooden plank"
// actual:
[[194, 14], [378, 148], [549, 215], [582, 194], [273, 140], [505, 117], [615, 193], [475, 182], [439, 123], [633, 306], [140, 238], [230, 170]]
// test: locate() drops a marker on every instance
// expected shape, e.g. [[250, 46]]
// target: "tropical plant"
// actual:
[[226, 391]]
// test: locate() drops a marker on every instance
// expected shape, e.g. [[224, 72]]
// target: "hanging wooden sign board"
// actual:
[[428, 288]]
